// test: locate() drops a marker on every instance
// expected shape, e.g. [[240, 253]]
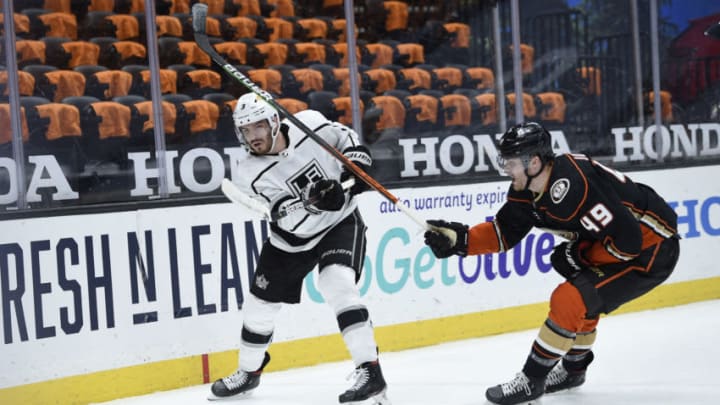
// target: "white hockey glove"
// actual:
[[360, 155]]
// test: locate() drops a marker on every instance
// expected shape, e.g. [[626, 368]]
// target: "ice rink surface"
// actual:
[[659, 357]]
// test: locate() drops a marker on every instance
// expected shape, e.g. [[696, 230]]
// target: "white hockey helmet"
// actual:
[[250, 108]]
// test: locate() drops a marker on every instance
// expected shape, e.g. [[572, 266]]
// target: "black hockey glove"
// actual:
[[567, 260], [447, 238], [360, 155], [324, 195]]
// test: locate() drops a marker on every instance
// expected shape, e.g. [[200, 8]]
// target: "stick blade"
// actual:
[[199, 15], [234, 194]]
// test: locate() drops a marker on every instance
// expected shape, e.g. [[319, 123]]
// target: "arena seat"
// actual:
[[6, 129], [108, 84], [343, 109], [269, 80], [381, 54], [414, 79], [529, 108], [456, 111], [64, 83], [29, 52], [378, 80], [551, 107], [62, 25], [486, 109], [422, 112], [21, 23], [26, 83]]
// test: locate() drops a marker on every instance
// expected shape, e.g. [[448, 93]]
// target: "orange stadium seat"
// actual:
[[273, 53], [81, 53], [447, 79], [293, 105], [179, 6], [233, 52], [414, 79], [378, 80], [343, 76], [245, 27], [529, 108], [146, 118], [168, 81], [392, 112], [343, 108], [456, 110], [106, 130], [6, 129], [29, 52], [666, 112], [247, 7], [279, 28], [64, 6], [460, 33], [268, 79], [66, 83], [309, 53], [282, 8], [101, 5], [341, 49], [124, 27], [314, 28], [199, 82], [479, 78], [194, 55], [337, 29], [422, 112], [397, 16], [167, 25], [21, 22], [527, 58], [486, 109], [551, 107], [107, 84], [26, 83], [63, 120], [305, 80], [381, 54], [63, 25], [196, 120]]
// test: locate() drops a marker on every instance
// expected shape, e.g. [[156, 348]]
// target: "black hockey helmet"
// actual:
[[525, 141]]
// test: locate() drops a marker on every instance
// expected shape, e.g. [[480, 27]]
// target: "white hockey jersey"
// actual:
[[278, 180]]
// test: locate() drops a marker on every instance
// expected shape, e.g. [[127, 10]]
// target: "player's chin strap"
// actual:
[[531, 177]]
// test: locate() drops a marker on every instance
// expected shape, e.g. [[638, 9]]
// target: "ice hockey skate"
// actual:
[[238, 384], [561, 379], [520, 390], [369, 387]]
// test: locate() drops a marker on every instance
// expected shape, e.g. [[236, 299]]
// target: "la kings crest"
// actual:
[[308, 174]]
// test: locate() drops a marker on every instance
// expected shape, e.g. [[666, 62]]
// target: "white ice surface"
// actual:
[[664, 356]]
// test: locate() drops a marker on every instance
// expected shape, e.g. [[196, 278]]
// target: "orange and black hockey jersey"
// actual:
[[582, 200]]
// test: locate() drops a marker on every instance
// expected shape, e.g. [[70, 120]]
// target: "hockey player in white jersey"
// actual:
[[283, 167]]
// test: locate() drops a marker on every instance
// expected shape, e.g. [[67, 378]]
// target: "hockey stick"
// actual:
[[199, 14], [234, 194]]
